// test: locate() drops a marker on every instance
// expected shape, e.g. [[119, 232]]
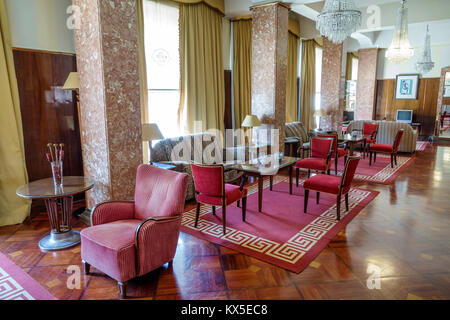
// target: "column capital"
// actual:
[[276, 3]]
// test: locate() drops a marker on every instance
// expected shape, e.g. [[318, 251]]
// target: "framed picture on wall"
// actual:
[[406, 87], [447, 79]]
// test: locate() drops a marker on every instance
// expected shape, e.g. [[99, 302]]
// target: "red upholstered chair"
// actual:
[[130, 239], [320, 160], [370, 131], [386, 148], [341, 152], [211, 189], [339, 186]]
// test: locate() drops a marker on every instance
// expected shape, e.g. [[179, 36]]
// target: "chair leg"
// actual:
[[297, 173], [338, 207], [395, 158], [346, 202], [122, 289], [244, 208], [224, 219], [306, 200], [309, 173], [170, 263], [336, 164], [197, 214], [392, 160], [370, 158], [86, 267], [238, 203], [374, 157], [328, 171], [317, 197], [214, 209]]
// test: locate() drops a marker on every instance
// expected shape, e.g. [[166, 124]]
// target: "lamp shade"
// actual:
[[150, 132], [320, 113], [251, 121], [71, 82]]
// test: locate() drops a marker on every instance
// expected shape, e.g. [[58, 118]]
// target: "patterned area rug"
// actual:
[[378, 172], [421, 145], [15, 284], [281, 234]]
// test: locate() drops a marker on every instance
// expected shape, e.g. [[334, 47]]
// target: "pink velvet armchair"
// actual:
[[131, 238]]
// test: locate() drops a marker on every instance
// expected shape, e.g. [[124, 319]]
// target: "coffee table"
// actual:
[[256, 168], [61, 236], [351, 141]]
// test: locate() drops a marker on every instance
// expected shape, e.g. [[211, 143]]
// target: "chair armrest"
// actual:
[[155, 242], [329, 156], [111, 211]]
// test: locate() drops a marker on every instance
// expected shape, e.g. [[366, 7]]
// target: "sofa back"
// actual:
[[296, 129], [387, 131], [173, 149]]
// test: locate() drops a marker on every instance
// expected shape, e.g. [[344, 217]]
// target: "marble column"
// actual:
[[269, 65], [366, 84], [333, 86], [107, 62]]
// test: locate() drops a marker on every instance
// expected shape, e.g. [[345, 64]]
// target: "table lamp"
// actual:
[[320, 113], [251, 121], [72, 84], [150, 132]]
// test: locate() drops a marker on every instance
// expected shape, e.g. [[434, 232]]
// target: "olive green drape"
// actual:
[[308, 84], [202, 88], [242, 73], [13, 173], [142, 72], [292, 73]]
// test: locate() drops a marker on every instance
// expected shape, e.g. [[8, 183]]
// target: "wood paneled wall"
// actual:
[[424, 107], [49, 114]]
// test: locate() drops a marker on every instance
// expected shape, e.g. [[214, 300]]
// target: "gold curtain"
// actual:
[[202, 90], [242, 73], [292, 73], [308, 84], [215, 4], [142, 71], [13, 172]]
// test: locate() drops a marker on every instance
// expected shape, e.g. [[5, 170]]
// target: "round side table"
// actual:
[[61, 236]]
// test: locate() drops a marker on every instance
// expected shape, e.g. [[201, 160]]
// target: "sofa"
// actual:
[[297, 130], [167, 151], [387, 131]]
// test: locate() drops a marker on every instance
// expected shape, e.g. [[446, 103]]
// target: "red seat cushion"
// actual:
[[232, 194], [111, 247], [381, 147], [342, 152], [313, 164], [324, 183]]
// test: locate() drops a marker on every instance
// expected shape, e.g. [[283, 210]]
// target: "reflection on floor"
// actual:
[[403, 236]]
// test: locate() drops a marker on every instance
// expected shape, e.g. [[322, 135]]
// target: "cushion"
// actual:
[[313, 164], [381, 147], [232, 194], [110, 248], [324, 183]]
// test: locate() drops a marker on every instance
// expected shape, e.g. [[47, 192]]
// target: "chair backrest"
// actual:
[[369, 128], [349, 171], [321, 147], [398, 139], [333, 136], [209, 179], [159, 192]]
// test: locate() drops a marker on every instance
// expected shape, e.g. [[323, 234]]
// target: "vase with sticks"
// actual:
[[56, 157]]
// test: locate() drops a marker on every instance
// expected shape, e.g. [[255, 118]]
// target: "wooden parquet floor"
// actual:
[[404, 232]]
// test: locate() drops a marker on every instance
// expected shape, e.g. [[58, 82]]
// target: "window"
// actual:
[[318, 82], [163, 64]]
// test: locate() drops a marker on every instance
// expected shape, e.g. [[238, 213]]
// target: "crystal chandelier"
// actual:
[[338, 20], [400, 49], [424, 65]]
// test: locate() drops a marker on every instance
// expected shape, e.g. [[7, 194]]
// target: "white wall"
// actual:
[[440, 50], [40, 25]]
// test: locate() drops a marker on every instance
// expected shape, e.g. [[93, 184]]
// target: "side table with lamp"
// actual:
[[151, 132]]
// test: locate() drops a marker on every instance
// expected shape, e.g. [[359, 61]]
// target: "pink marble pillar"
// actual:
[[107, 62], [333, 81], [269, 65], [366, 84]]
